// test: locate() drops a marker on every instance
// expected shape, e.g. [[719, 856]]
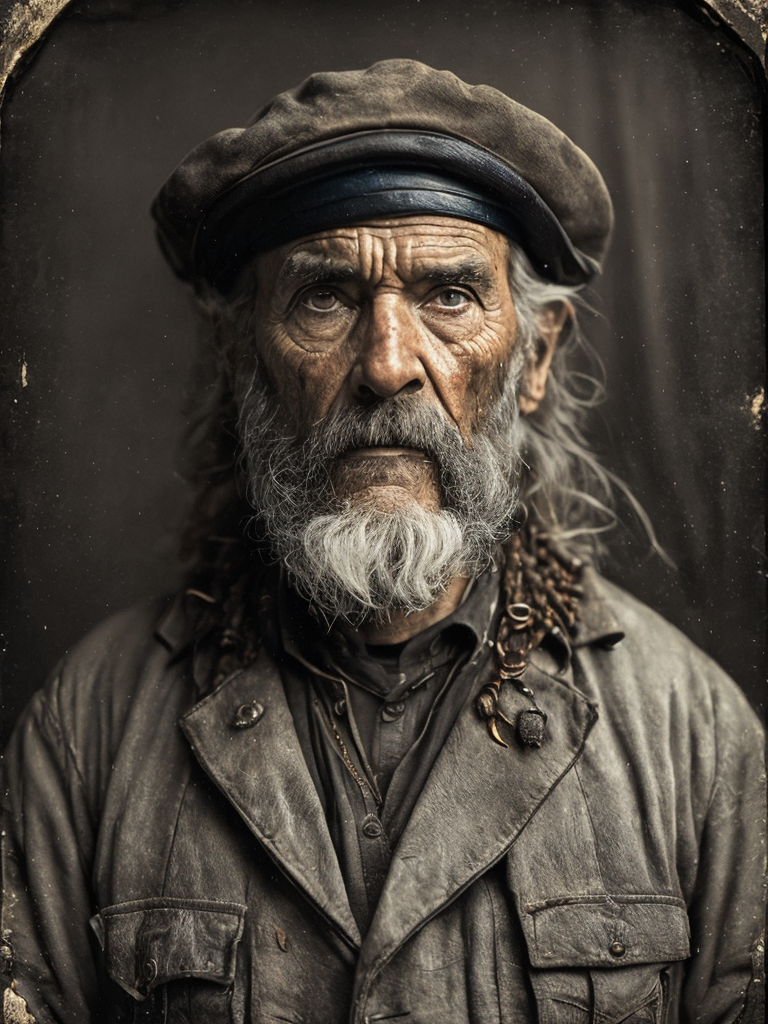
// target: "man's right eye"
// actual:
[[321, 300]]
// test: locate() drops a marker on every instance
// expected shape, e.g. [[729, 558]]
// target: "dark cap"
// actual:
[[395, 140]]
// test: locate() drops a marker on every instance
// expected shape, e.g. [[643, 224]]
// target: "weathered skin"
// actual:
[[416, 305]]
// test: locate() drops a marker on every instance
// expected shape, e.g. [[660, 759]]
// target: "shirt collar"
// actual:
[[341, 652], [597, 625]]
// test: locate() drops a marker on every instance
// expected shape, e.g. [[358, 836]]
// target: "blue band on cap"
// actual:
[[380, 174], [357, 195]]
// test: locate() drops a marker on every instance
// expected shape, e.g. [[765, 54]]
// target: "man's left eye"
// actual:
[[452, 298]]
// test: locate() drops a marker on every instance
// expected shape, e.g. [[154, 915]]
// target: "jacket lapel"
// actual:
[[476, 801], [260, 769]]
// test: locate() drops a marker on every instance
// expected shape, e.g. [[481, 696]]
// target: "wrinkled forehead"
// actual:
[[411, 248]]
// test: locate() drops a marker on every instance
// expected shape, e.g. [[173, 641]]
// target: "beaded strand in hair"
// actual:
[[540, 594]]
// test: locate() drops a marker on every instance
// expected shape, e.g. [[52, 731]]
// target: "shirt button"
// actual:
[[372, 827], [617, 949], [392, 711]]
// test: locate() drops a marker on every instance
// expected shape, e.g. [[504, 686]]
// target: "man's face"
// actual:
[[350, 317]]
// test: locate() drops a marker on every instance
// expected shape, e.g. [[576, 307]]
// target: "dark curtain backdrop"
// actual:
[[99, 340]]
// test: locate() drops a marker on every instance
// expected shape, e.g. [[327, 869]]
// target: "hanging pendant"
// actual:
[[530, 727], [487, 705]]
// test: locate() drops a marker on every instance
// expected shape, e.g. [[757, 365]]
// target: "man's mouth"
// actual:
[[410, 472], [383, 450]]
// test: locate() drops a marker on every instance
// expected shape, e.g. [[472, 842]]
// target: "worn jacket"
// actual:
[[164, 863]]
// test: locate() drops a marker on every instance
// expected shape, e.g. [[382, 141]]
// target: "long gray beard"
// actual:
[[355, 561]]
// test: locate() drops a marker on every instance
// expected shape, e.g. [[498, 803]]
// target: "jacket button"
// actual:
[[247, 715], [617, 949], [147, 973], [372, 827], [6, 956]]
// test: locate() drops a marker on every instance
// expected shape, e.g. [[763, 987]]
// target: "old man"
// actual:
[[396, 751]]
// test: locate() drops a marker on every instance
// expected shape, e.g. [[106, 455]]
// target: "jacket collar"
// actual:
[[498, 790], [598, 623], [261, 770]]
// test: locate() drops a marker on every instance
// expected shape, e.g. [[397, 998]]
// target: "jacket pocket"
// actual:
[[187, 948], [603, 959]]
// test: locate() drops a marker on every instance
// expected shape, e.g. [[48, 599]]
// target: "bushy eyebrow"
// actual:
[[306, 268], [468, 271]]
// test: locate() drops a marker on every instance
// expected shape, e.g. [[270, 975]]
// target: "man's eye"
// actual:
[[321, 300], [452, 298]]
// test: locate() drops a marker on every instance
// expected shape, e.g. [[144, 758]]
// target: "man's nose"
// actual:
[[389, 352]]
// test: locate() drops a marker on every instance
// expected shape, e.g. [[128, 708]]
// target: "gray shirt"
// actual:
[[371, 720]]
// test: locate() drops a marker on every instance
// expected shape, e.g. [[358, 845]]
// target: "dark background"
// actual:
[[98, 340]]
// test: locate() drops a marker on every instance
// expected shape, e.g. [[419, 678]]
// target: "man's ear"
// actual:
[[550, 323]]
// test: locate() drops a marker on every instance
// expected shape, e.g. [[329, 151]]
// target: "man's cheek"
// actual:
[[286, 365], [499, 361], [313, 383], [481, 398], [471, 387]]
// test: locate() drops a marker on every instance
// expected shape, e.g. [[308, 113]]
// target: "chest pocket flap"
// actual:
[[606, 931], [150, 942]]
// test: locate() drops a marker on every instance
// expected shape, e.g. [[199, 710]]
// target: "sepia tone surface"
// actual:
[[99, 341]]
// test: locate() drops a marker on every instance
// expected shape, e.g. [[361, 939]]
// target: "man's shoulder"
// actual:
[[118, 675], [651, 660], [120, 641], [637, 619], [106, 669]]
